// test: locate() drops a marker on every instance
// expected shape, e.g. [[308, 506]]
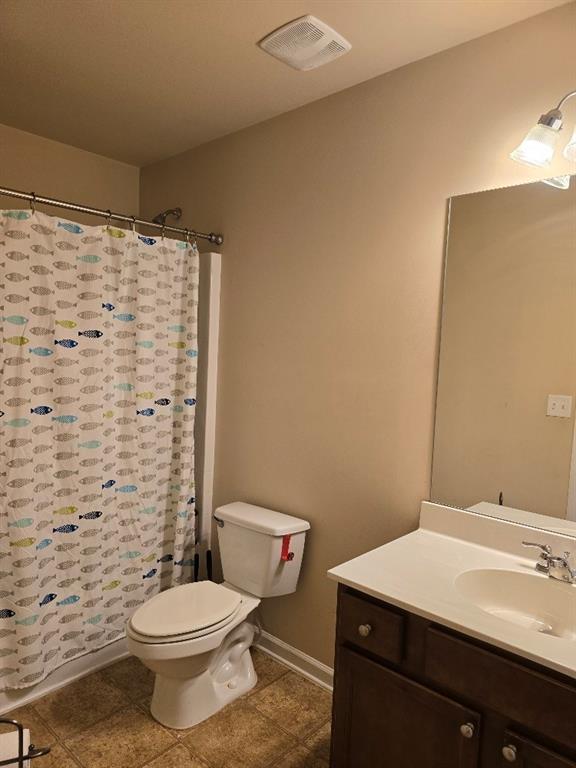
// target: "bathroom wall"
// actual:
[[334, 217], [35, 164], [508, 341]]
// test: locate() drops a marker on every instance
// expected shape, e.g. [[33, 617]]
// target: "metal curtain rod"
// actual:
[[38, 199]]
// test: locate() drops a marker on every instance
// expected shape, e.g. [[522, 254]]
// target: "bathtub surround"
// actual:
[[98, 391], [334, 217]]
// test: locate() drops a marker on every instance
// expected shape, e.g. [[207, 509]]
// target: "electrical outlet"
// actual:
[[559, 405]]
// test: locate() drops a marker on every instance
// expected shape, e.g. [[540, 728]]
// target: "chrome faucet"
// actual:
[[554, 566]]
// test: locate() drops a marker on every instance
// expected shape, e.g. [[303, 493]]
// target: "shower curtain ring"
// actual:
[[163, 230], [33, 203], [187, 236], [133, 225], [108, 218]]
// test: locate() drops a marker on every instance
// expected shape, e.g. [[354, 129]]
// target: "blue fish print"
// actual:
[[74, 229], [147, 240], [184, 513], [48, 599], [108, 306], [67, 343], [41, 351], [126, 317], [146, 412], [91, 334], [184, 562], [190, 400], [41, 410], [94, 619], [66, 419], [150, 573], [131, 555], [28, 621], [148, 511], [177, 328], [24, 522], [16, 214], [68, 528], [90, 444], [177, 408], [162, 401], [69, 600], [6, 613], [16, 319], [127, 489], [165, 559], [108, 483], [91, 516], [44, 543], [191, 353]]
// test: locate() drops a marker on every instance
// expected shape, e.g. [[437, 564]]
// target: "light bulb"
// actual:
[[538, 146]]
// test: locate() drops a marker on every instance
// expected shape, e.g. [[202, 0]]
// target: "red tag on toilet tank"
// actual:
[[286, 555]]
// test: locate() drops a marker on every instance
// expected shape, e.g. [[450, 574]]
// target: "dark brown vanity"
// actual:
[[412, 694]]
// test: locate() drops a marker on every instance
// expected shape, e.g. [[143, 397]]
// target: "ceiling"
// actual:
[[141, 80]]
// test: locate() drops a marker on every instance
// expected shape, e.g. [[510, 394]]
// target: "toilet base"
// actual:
[[181, 703]]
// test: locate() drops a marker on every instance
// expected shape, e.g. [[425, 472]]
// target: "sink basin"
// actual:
[[528, 600]]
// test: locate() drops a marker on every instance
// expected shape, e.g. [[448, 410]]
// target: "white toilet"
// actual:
[[197, 637]]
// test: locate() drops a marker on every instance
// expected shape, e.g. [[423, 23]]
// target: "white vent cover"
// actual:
[[305, 43]]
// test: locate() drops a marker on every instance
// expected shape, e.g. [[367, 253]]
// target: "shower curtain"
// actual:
[[97, 402]]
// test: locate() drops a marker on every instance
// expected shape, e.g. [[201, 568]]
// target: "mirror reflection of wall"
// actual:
[[508, 343]]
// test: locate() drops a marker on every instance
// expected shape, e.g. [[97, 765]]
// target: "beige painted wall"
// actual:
[[334, 220], [508, 341], [34, 164]]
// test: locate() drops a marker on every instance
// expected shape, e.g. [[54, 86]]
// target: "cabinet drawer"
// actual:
[[539, 702], [370, 626]]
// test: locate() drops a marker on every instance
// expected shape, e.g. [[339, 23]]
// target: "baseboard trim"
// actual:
[[64, 675], [300, 662]]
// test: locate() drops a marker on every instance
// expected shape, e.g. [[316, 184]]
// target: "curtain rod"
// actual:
[[38, 199]]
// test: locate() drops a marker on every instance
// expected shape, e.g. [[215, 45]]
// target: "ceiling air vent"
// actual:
[[305, 43]]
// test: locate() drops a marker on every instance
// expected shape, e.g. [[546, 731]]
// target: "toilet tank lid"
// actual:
[[260, 519]]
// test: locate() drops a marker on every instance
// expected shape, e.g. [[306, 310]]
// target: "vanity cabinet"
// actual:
[[412, 694]]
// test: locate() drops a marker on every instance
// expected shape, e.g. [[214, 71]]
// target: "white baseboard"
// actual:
[[300, 662], [66, 674]]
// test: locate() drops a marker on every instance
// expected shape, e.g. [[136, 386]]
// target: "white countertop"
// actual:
[[417, 573]]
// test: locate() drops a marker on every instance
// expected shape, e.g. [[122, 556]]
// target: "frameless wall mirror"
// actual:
[[504, 441]]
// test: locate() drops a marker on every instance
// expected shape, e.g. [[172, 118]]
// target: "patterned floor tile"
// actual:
[[267, 669], [40, 734], [77, 706], [177, 757], [132, 677], [319, 742], [127, 739], [295, 704], [239, 737], [301, 758]]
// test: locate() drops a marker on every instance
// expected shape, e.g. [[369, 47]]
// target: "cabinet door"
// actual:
[[518, 752], [384, 720]]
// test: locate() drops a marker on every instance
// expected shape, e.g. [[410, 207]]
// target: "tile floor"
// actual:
[[102, 721]]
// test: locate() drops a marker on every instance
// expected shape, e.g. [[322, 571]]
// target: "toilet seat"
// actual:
[[185, 612]]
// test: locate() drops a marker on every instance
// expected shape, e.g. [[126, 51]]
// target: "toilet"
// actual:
[[197, 637]]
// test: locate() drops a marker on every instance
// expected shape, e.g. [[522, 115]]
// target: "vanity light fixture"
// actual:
[[540, 142]]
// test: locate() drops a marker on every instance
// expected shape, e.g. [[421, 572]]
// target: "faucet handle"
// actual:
[[544, 548]]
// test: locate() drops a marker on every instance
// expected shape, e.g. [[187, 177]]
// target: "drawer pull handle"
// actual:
[[467, 730], [510, 753], [364, 630]]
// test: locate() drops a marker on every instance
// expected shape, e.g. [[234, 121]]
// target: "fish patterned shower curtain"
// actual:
[[97, 403]]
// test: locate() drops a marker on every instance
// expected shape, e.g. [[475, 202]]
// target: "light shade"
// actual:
[[538, 146], [570, 148], [560, 182]]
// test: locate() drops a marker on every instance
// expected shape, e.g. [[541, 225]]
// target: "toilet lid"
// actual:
[[185, 609]]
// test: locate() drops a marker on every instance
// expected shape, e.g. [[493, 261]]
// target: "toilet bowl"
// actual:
[[196, 637]]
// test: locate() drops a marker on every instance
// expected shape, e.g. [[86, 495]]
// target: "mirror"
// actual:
[[504, 440]]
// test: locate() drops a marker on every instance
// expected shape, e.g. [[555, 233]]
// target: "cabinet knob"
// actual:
[[467, 730], [364, 630], [510, 753]]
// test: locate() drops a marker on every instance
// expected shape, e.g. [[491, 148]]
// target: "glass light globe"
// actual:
[[570, 148], [538, 146], [560, 182]]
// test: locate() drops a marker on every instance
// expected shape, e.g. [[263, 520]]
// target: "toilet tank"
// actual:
[[261, 550]]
